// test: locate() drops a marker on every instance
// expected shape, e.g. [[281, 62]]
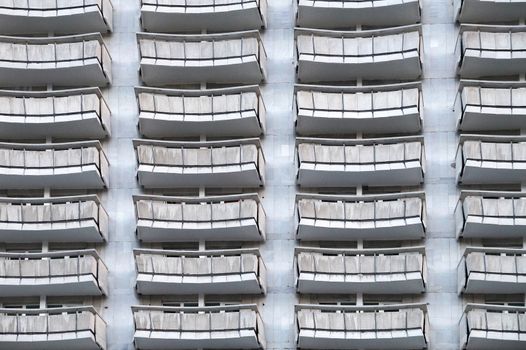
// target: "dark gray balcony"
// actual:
[[490, 11]]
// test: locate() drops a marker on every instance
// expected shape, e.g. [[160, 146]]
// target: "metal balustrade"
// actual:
[[213, 218], [71, 61], [381, 109], [168, 272], [229, 112], [171, 164], [350, 271], [397, 161], [490, 11], [173, 16], [27, 17], [220, 327], [169, 59], [335, 56], [79, 113]]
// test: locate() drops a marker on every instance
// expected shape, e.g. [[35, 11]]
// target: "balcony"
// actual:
[[490, 327], [492, 271], [386, 109], [362, 327], [80, 60], [58, 17], [62, 273], [78, 114], [55, 219], [190, 219], [218, 327], [489, 106], [383, 54], [230, 112], [169, 272], [397, 161], [75, 328], [351, 271], [492, 11], [174, 16], [492, 51], [231, 58], [485, 214], [171, 164], [400, 216], [72, 165], [333, 14], [485, 159]]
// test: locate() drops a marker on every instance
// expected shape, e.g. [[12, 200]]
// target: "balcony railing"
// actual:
[[492, 11], [487, 159], [54, 219], [55, 16], [54, 328], [62, 273], [492, 51], [173, 16], [492, 271], [323, 110], [488, 106], [219, 327], [333, 14], [362, 327], [171, 164], [71, 61], [168, 272], [492, 327], [79, 113], [230, 112], [397, 161], [488, 214], [190, 219], [350, 271], [169, 59], [383, 54], [72, 165], [400, 216]]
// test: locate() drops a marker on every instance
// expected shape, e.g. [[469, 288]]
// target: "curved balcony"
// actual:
[[400, 216], [169, 59], [350, 271], [485, 159], [230, 112], [333, 14], [485, 214], [54, 219], [492, 11], [490, 327], [63, 273], [76, 328], [171, 164], [72, 165], [79, 114], [492, 51], [79, 60], [169, 272], [383, 54], [218, 327], [174, 16], [489, 106], [386, 109], [492, 271], [58, 17], [397, 161], [189, 219], [362, 327]]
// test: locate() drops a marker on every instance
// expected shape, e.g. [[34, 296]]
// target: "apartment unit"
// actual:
[[54, 123], [490, 105]]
